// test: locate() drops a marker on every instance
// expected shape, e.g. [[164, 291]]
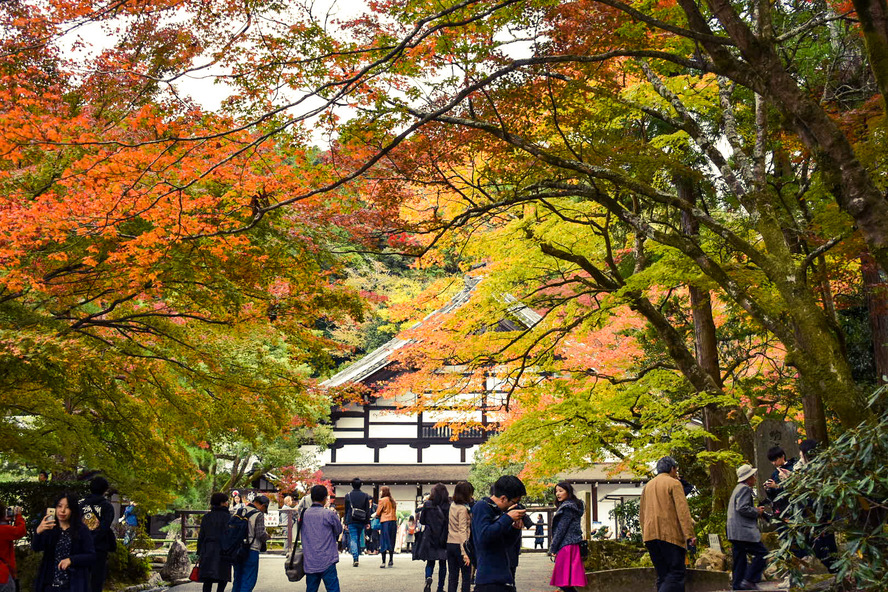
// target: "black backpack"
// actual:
[[235, 539]]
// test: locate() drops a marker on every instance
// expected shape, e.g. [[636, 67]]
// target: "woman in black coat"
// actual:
[[432, 546], [214, 569], [67, 546]]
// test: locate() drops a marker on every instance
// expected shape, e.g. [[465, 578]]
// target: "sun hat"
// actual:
[[744, 472]]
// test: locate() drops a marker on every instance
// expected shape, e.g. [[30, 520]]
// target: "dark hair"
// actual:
[[509, 486], [666, 464], [462, 493], [217, 499], [439, 495], [356, 483], [74, 506], [98, 485], [809, 447], [319, 493], [571, 494], [262, 500], [775, 452]]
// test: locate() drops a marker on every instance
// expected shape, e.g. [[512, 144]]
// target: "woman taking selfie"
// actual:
[[567, 536], [67, 548]]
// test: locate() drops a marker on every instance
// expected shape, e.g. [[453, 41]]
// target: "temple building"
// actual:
[[382, 445]]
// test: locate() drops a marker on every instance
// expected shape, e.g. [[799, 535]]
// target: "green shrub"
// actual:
[[613, 555], [126, 569], [27, 562], [844, 491]]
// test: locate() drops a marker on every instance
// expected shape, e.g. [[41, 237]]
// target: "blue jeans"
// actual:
[[356, 539], [246, 573], [442, 572], [329, 576]]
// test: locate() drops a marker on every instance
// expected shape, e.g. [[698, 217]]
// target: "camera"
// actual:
[[10, 512], [525, 520]]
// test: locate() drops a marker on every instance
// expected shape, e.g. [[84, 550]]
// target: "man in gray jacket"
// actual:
[[744, 533]]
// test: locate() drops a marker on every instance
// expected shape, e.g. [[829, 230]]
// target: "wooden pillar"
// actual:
[[595, 502], [587, 515]]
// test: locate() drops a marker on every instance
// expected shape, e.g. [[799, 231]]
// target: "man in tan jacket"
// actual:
[[666, 525]]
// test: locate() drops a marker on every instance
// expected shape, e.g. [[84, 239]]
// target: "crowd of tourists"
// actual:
[[469, 542], [668, 529]]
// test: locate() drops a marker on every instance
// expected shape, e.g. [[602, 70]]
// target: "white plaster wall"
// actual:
[[397, 455], [438, 454], [393, 431], [354, 454], [323, 457], [349, 422], [391, 416]]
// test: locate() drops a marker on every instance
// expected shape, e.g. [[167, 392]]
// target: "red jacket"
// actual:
[[8, 534]]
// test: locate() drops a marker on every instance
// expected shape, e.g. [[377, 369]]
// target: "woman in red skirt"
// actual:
[[567, 538]]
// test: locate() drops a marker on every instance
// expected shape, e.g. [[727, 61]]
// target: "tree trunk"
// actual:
[[715, 416], [876, 290], [873, 17]]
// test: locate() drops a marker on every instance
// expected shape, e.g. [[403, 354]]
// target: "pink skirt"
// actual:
[[569, 569]]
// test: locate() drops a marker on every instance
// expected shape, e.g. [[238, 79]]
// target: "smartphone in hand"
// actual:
[[50, 514]]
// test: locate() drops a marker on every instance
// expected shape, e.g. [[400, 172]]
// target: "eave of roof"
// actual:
[[381, 356]]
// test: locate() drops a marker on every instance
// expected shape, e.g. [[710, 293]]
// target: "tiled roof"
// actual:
[[381, 357]]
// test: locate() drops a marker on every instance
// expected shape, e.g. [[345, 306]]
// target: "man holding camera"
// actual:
[[744, 533], [12, 528], [496, 526]]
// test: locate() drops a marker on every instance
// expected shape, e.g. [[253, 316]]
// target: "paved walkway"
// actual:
[[533, 575]]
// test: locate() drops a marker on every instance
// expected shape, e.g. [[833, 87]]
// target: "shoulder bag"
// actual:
[[294, 566]]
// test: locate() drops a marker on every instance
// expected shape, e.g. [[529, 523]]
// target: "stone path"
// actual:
[[533, 575]]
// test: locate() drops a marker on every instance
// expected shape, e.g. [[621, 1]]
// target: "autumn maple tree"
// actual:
[[709, 176], [149, 302]]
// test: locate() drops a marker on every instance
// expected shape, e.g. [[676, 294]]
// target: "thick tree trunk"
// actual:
[[873, 18], [876, 291]]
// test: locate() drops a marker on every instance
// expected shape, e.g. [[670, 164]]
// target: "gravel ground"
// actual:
[[533, 575]]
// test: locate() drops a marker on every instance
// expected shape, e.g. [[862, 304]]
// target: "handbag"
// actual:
[[357, 514], [194, 576], [294, 566]]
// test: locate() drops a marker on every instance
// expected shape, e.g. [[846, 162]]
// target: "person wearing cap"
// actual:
[[744, 533], [666, 525], [246, 573]]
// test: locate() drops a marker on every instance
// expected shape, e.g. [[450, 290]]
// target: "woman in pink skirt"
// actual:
[[567, 538]]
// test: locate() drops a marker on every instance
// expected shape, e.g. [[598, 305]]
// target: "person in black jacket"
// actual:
[[213, 569], [357, 518], [67, 546], [98, 515], [433, 543]]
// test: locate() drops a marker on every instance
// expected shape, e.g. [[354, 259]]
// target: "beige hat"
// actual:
[[744, 472]]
